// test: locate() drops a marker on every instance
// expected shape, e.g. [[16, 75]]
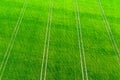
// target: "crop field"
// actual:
[[59, 40]]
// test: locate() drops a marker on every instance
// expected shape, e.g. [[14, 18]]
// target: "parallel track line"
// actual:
[[9, 48], [80, 42], [46, 44], [108, 28]]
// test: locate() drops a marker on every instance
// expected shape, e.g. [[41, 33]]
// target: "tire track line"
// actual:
[[108, 28], [80, 42], [48, 39], [9, 48], [46, 44]]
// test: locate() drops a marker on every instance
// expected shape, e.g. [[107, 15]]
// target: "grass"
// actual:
[[64, 62]]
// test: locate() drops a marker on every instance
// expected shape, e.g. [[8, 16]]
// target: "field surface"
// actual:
[[59, 40]]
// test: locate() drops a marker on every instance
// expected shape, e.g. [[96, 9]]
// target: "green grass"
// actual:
[[64, 63]]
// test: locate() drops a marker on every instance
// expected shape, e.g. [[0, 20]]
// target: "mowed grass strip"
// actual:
[[26, 55], [100, 56]]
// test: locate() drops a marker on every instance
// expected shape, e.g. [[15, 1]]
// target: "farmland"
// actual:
[[59, 40]]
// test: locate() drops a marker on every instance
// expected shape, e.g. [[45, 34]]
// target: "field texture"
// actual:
[[59, 40]]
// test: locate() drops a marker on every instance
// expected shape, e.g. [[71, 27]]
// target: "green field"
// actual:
[[59, 40]]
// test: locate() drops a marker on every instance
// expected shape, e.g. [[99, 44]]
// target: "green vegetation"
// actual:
[[24, 60]]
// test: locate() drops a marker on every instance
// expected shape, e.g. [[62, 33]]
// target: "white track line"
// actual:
[[8, 51], [108, 28], [80, 41], [48, 39], [46, 45]]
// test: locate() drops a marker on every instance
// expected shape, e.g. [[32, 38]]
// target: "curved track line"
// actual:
[[8, 51], [108, 28], [80, 41]]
